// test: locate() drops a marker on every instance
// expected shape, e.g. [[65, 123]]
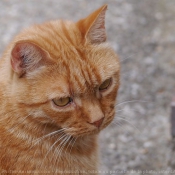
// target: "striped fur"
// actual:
[[54, 60]]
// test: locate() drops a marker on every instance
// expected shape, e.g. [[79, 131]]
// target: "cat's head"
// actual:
[[64, 73]]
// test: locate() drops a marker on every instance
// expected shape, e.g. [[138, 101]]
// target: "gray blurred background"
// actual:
[[142, 32]]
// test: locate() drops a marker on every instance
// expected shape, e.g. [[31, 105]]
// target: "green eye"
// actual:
[[62, 101], [105, 84]]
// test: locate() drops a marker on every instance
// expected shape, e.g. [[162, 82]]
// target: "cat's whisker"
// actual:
[[128, 122], [68, 154], [127, 111], [74, 141], [70, 129], [56, 151], [62, 147], [56, 140], [73, 144], [118, 117], [61, 131], [131, 101], [50, 134], [69, 140], [63, 136], [126, 58], [117, 123]]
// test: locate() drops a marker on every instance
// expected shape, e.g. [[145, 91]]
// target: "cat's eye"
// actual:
[[105, 84], [62, 101]]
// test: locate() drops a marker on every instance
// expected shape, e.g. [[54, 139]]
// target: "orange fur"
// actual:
[[56, 59]]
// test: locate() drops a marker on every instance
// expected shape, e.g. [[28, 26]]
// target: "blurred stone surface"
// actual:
[[143, 35]]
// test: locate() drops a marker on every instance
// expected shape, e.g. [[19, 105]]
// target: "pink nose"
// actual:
[[98, 122]]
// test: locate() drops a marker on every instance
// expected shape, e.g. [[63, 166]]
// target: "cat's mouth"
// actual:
[[88, 131], [75, 133], [81, 130]]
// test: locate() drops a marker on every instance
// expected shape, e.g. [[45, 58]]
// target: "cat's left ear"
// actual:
[[93, 26], [27, 57]]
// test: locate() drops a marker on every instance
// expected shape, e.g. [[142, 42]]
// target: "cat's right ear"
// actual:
[[27, 57], [92, 27]]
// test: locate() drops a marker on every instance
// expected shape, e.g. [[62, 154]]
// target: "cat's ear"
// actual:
[[93, 26], [27, 57]]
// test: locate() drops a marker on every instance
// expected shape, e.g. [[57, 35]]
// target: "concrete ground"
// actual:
[[142, 32]]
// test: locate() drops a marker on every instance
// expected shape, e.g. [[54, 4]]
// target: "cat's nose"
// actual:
[[98, 122]]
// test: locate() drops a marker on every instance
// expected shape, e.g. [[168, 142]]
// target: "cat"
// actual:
[[59, 83]]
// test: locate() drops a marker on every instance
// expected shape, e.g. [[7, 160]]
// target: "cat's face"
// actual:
[[64, 74]]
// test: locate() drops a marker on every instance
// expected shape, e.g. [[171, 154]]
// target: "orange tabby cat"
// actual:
[[59, 82]]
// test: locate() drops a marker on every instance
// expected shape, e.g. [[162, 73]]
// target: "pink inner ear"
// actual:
[[16, 59], [26, 57]]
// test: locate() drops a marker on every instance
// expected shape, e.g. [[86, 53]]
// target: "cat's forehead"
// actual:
[[83, 66], [85, 71]]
